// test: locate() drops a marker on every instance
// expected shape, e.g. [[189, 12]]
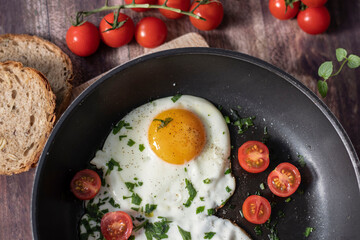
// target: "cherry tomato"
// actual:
[[256, 209], [314, 3], [117, 37], [314, 20], [253, 156], [141, 2], [83, 40], [85, 184], [279, 10], [116, 225], [284, 180], [179, 4], [150, 32], [212, 11]]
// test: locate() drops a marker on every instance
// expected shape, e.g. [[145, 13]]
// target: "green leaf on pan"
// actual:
[[353, 61], [322, 88], [341, 54], [325, 70], [185, 235]]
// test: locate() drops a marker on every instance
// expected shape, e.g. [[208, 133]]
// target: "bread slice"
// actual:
[[27, 116], [44, 56]]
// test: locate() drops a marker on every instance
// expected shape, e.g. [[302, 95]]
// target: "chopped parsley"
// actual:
[[207, 181], [281, 214], [135, 209], [192, 192], [131, 237], [288, 199], [211, 211], [111, 164], [202, 199], [227, 171], [262, 186], [120, 125], [163, 123], [241, 213], [308, 230], [200, 209], [301, 161], [242, 123], [185, 169], [113, 203], [135, 199], [140, 183], [149, 208], [122, 136], [209, 235], [141, 147], [227, 119], [257, 193], [228, 189], [157, 230], [185, 235], [131, 143], [258, 231], [130, 186], [176, 97]]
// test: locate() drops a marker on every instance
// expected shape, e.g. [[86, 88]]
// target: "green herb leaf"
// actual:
[[157, 230], [130, 186], [185, 235], [262, 186], [111, 164], [113, 203], [207, 181], [301, 161], [241, 213], [200, 209], [192, 192], [149, 208], [227, 119], [244, 123], [131, 238], [322, 88], [209, 235], [341, 54], [202, 199], [308, 230], [258, 231], [211, 211], [135, 199], [131, 143], [120, 125], [353, 61], [281, 214], [228, 171], [228, 189], [325, 69], [122, 136], [288, 199], [176, 97], [141, 147], [163, 123]]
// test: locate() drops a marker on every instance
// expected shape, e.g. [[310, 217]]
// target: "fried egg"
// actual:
[[168, 161]]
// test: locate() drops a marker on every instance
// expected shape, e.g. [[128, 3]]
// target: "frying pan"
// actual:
[[295, 123]]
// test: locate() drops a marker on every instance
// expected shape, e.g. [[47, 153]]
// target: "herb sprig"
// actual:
[[326, 69]]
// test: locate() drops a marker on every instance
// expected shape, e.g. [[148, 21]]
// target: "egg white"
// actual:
[[163, 184]]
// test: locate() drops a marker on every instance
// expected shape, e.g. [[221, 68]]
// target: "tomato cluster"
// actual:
[[312, 16], [150, 32], [283, 181]]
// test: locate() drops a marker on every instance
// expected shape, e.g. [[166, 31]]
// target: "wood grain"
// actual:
[[247, 27]]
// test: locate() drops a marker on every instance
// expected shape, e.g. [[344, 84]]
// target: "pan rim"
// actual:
[[188, 51]]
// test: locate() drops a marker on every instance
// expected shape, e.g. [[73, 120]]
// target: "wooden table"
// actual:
[[247, 27]]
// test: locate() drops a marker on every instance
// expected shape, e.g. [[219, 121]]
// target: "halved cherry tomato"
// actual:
[[179, 4], [116, 225], [314, 20], [284, 180], [253, 156], [83, 40], [141, 2], [117, 37], [314, 3], [150, 32], [212, 11], [279, 10], [85, 184], [256, 209]]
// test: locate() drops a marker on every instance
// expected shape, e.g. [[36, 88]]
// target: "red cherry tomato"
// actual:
[[117, 37], [141, 2], [179, 4], [116, 226], [212, 11], [150, 32], [83, 40], [284, 180], [85, 184], [314, 3], [253, 156], [314, 20], [279, 10], [256, 209]]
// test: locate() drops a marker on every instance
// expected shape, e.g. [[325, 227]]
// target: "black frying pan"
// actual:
[[297, 122]]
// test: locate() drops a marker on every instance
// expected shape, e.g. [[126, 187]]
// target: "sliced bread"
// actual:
[[44, 56], [27, 116]]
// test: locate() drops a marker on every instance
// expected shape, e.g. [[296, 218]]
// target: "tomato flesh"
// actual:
[[212, 11], [256, 209], [116, 225], [280, 11], [253, 156], [85, 184], [284, 180], [83, 40]]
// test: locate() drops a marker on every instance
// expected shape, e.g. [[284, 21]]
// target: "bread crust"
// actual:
[[50, 98], [60, 108]]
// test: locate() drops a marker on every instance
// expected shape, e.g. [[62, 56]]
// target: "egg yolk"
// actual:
[[177, 136]]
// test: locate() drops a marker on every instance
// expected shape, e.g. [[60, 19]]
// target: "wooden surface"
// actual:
[[247, 27]]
